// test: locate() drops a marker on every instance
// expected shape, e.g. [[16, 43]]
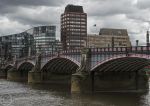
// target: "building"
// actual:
[[38, 39], [73, 27], [16, 45], [58, 46], [109, 38], [5, 48], [44, 38]]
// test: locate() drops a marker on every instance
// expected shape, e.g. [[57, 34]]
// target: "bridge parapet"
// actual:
[[102, 54], [134, 49], [97, 54]]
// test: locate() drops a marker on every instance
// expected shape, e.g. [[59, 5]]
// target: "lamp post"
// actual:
[[137, 43], [147, 41], [112, 42], [39, 49], [147, 38], [52, 48], [1, 55]]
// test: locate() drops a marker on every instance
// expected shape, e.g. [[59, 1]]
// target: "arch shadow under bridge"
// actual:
[[123, 73]]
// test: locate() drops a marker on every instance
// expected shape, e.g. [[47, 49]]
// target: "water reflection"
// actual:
[[23, 94]]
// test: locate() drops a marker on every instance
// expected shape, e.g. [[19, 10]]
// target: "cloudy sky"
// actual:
[[134, 15]]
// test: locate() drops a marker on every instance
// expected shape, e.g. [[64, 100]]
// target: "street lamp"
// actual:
[[137, 43], [112, 44], [147, 38], [52, 47]]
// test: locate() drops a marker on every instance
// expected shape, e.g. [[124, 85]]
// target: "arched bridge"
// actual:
[[112, 67]]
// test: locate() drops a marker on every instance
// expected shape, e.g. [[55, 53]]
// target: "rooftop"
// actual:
[[112, 31], [74, 8]]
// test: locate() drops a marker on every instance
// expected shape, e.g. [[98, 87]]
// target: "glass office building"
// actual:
[[38, 39], [44, 38]]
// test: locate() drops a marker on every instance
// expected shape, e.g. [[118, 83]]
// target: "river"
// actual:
[[23, 94]]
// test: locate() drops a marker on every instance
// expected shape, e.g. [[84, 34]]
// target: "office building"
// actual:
[[73, 27], [44, 38], [30, 42], [109, 38]]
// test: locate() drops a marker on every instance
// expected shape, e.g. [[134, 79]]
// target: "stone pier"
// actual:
[[3, 74], [14, 75], [35, 75], [81, 81]]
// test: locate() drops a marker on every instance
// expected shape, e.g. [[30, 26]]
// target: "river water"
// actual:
[[23, 94]]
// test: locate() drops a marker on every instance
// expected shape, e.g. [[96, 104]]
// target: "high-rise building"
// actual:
[[73, 27], [44, 37]]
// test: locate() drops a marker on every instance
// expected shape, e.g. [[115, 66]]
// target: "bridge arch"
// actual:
[[25, 62], [59, 70], [124, 73], [61, 65], [24, 68], [122, 63], [8, 67]]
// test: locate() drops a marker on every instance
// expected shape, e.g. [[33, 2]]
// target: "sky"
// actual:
[[134, 15]]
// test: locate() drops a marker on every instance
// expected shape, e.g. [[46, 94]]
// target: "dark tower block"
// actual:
[[73, 27]]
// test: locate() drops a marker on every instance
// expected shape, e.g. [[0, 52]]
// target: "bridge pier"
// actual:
[[142, 81], [35, 77], [14, 75], [3, 74], [81, 83], [81, 80]]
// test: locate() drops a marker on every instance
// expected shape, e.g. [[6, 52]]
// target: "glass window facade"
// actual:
[[37, 39]]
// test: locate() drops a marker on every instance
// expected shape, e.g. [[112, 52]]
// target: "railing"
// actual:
[[94, 51], [121, 49]]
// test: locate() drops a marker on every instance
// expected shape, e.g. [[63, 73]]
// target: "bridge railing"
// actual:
[[102, 54], [135, 49], [97, 53], [73, 53]]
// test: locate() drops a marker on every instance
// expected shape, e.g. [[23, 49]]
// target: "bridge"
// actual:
[[89, 69]]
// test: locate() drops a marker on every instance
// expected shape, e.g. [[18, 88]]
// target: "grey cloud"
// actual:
[[32, 17], [31, 2], [10, 6], [143, 4], [107, 8], [140, 15]]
